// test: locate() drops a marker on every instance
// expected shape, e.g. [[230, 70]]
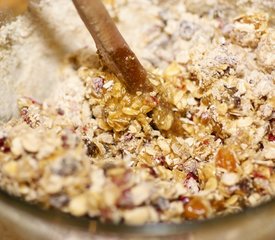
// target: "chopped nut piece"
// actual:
[[140, 193], [78, 205], [31, 143], [16, 147], [137, 216], [211, 184], [230, 179]]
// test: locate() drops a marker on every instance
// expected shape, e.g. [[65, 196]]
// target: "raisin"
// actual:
[[60, 111], [246, 186], [92, 149], [192, 175], [184, 199], [195, 209], [225, 159]]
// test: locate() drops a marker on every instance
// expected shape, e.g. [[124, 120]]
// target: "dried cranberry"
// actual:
[[24, 114], [257, 174], [205, 142], [192, 175], [85, 129], [64, 139], [2, 141], [153, 172], [246, 186], [161, 161], [24, 111], [184, 199], [271, 137], [155, 100]]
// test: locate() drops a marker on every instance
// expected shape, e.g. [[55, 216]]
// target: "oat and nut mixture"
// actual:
[[102, 155]]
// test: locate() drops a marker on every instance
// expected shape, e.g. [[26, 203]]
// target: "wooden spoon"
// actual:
[[112, 47]]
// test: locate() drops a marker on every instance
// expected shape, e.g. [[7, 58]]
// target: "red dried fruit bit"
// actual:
[[153, 172], [225, 158], [192, 175], [85, 129], [24, 114], [257, 174], [155, 100], [184, 199], [24, 111], [271, 137], [2, 141], [33, 101], [206, 142], [160, 160], [246, 186], [64, 139], [4, 145], [195, 209]]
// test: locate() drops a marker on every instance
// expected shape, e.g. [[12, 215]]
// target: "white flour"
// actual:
[[33, 48]]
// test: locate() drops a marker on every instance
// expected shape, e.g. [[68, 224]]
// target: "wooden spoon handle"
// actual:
[[114, 50], [11, 8]]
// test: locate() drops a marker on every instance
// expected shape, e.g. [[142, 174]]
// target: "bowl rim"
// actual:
[[94, 225]]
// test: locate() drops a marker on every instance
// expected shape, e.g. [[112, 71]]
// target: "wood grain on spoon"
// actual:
[[114, 50]]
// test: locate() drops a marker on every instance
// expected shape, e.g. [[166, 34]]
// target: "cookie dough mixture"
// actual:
[[97, 151]]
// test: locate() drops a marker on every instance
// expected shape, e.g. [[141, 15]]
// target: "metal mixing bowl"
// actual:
[[20, 220]]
